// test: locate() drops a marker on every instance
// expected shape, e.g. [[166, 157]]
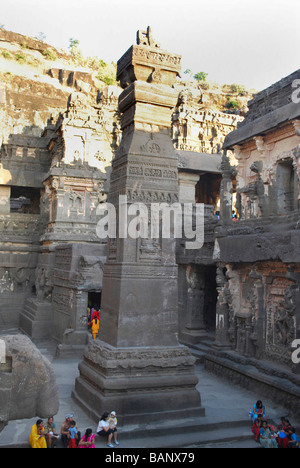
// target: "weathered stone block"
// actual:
[[27, 382]]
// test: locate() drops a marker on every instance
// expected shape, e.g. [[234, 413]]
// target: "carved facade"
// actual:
[[55, 183], [197, 127], [258, 256], [63, 172], [241, 287]]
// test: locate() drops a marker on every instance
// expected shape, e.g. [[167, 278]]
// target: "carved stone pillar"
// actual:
[[226, 190], [222, 311], [193, 326], [137, 365], [4, 200], [187, 187]]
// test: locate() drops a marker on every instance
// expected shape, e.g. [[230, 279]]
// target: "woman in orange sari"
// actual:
[[95, 327], [37, 437]]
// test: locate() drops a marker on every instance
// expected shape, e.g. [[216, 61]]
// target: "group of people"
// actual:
[[284, 436], [45, 435], [94, 321]]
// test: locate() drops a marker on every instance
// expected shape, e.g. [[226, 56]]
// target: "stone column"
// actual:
[[187, 187], [137, 366], [194, 328], [4, 200], [222, 311], [226, 190]]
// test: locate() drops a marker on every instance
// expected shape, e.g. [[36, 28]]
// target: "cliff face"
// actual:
[[59, 130], [36, 81], [49, 109]]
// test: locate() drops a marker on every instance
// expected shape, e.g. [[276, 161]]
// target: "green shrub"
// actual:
[[20, 58], [106, 73], [239, 89], [49, 54], [232, 104], [201, 76], [5, 54]]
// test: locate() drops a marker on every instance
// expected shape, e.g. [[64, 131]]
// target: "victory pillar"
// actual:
[[137, 365]]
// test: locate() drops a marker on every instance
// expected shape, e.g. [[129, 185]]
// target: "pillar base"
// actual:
[[140, 384]]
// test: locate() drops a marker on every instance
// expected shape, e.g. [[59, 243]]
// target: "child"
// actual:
[[72, 435], [294, 442], [113, 418]]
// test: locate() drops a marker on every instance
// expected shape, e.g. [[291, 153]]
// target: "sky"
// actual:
[[250, 42]]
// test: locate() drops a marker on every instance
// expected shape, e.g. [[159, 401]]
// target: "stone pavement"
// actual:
[[225, 425]]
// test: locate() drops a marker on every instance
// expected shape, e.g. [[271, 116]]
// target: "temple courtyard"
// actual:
[[226, 423]]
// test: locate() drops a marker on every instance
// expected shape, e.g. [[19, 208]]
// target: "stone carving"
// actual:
[[282, 327], [198, 128], [146, 38], [76, 202], [43, 285], [88, 132]]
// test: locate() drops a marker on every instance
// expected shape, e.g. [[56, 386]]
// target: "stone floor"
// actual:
[[225, 425]]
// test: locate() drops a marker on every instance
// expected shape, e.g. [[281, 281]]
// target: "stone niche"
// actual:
[[258, 310]]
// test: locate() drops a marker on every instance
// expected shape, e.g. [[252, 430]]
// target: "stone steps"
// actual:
[[199, 434], [36, 319], [268, 379], [225, 424]]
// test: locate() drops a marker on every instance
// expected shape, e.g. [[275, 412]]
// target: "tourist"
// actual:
[[281, 425], [266, 437], [258, 409], [257, 425], [72, 435], [64, 431], [95, 327], [50, 433], [113, 418], [95, 314], [106, 427], [285, 431], [88, 440], [295, 441], [37, 438]]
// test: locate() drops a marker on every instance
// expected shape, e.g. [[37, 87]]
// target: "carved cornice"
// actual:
[[148, 64]]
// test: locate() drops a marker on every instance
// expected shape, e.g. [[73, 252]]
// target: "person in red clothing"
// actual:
[[257, 425], [95, 313], [285, 432]]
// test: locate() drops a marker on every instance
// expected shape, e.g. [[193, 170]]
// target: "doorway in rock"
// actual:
[[94, 300], [197, 301]]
